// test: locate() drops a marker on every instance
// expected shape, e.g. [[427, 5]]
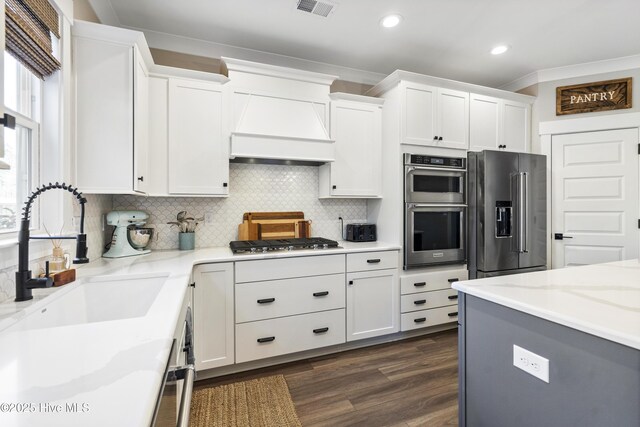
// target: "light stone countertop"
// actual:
[[601, 299], [113, 367]]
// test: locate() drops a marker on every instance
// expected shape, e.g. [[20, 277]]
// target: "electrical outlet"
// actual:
[[208, 217], [531, 363]]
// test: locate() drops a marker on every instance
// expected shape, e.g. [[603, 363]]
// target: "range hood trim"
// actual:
[[258, 146]]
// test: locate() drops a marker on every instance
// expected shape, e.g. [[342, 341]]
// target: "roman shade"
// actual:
[[29, 25]]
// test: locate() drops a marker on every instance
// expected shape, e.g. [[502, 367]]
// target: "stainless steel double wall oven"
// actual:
[[435, 210]]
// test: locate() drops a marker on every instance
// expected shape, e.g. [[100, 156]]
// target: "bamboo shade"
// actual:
[[29, 25]]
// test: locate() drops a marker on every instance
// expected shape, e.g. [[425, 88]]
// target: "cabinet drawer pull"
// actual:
[[420, 284], [420, 319], [266, 300], [454, 314], [373, 261], [420, 301], [320, 330], [452, 297], [266, 339], [455, 279], [321, 294]]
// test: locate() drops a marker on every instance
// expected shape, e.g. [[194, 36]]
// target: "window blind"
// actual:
[[29, 26]]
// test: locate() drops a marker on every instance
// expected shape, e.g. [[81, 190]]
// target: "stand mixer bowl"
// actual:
[[139, 237]]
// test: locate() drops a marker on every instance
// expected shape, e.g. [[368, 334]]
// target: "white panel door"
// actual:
[[516, 124], [198, 145], [373, 306], [453, 119], [595, 197], [418, 114], [213, 320], [484, 122]]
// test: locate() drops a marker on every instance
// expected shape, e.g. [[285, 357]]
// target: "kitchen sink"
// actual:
[[99, 299]]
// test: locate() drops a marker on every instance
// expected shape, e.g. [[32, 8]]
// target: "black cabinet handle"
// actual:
[[224, 184], [420, 284], [334, 186], [141, 178], [452, 297], [420, 320], [455, 279], [420, 301], [373, 261], [454, 314], [320, 330], [266, 300], [439, 138], [435, 138], [266, 339], [321, 294], [351, 282]]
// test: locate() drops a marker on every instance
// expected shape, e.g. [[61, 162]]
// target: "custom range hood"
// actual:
[[279, 115]]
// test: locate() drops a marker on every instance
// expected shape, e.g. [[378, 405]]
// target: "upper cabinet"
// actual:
[[499, 124], [435, 117], [356, 127], [198, 138], [111, 87]]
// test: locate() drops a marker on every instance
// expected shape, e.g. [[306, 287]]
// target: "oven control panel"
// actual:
[[435, 161]]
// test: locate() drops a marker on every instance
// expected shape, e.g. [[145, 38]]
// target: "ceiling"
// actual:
[[444, 38]]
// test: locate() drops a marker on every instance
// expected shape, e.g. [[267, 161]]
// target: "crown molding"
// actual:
[[572, 71], [105, 13]]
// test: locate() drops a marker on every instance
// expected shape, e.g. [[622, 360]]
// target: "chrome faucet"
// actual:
[[24, 282]]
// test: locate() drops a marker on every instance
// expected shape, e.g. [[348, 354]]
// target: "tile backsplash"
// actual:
[[252, 188]]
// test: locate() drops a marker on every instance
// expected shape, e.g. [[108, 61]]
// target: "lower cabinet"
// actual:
[[274, 337], [428, 299], [213, 315], [372, 304]]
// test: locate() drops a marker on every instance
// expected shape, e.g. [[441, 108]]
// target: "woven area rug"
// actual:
[[263, 402]]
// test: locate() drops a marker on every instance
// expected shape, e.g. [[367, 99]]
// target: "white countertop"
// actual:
[[602, 299], [115, 367]]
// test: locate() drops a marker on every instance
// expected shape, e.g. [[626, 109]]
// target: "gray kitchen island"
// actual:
[[551, 348]]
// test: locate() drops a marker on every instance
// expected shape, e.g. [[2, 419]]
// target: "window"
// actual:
[[22, 99]]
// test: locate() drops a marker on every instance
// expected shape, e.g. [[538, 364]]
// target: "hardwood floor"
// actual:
[[413, 382]]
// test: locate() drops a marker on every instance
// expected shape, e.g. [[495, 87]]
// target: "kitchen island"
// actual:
[[585, 321]]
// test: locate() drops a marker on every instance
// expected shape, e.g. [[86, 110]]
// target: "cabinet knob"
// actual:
[[435, 138], [334, 186], [351, 282], [439, 138], [141, 178], [224, 184]]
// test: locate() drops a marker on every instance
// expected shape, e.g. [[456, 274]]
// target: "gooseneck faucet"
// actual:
[[24, 282]]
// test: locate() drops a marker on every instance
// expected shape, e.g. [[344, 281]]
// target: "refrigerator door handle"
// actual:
[[522, 212]]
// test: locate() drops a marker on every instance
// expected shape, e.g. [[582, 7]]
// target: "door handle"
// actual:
[[560, 236]]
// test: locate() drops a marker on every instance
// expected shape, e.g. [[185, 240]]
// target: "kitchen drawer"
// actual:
[[431, 317], [367, 261], [425, 300], [285, 268], [287, 297], [431, 281], [289, 335]]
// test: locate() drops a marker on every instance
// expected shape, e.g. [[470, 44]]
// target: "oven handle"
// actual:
[[427, 168], [186, 373], [412, 206]]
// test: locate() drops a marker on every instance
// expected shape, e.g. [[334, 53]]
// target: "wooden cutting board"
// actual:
[[273, 225]]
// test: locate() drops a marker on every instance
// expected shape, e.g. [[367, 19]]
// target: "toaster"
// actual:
[[361, 232]]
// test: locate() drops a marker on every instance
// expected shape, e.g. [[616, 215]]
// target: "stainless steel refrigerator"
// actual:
[[507, 213]]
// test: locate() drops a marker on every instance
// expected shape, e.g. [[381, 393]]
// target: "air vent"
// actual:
[[315, 7]]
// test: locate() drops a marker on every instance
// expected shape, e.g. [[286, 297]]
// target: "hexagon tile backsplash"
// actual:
[[252, 188]]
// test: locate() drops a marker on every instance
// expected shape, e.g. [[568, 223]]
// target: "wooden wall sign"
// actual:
[[598, 96]]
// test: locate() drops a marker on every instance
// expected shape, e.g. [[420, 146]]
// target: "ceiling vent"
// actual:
[[315, 7]]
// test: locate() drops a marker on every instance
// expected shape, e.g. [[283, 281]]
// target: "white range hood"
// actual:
[[279, 114]]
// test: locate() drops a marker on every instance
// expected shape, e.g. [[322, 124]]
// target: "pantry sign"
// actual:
[[590, 97]]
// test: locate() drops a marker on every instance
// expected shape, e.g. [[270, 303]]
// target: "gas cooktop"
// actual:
[[253, 246]]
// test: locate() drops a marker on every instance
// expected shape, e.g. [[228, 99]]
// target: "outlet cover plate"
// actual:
[[531, 363]]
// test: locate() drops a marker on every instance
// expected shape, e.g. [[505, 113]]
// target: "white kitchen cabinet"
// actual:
[[498, 124], [372, 294], [213, 305], [198, 134], [110, 68], [435, 117], [356, 127], [372, 304]]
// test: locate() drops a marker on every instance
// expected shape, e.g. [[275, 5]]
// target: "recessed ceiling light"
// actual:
[[499, 49], [390, 21]]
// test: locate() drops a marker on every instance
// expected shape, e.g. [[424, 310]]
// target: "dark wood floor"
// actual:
[[413, 382]]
